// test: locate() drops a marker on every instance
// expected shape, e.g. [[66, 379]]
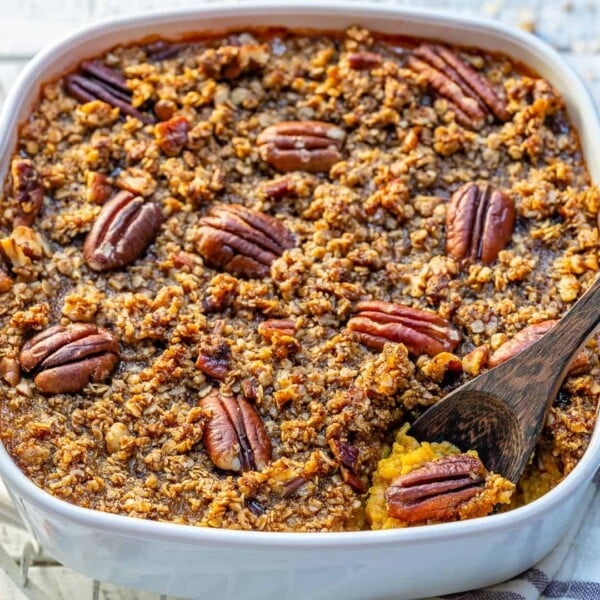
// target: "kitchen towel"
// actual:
[[570, 572]]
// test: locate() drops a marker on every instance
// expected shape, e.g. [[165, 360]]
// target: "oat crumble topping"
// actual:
[[255, 339]]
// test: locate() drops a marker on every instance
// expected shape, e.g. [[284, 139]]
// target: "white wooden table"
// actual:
[[571, 26]]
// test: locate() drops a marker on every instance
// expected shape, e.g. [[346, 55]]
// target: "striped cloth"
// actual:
[[570, 572]]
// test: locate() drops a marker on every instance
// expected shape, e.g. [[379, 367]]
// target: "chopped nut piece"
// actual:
[[172, 135], [278, 188], [272, 327], [363, 60], [229, 62], [114, 436], [23, 245], [137, 181], [98, 191], [6, 281], [214, 357], [345, 452], [474, 361], [165, 109], [441, 364], [353, 480], [10, 370], [27, 189], [97, 114]]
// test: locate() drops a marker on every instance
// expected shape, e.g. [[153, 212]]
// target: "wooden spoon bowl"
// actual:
[[501, 413]]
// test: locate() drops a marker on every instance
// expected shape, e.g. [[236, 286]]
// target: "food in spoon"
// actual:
[[418, 483]]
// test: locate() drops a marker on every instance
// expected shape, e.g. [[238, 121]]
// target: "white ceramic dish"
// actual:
[[400, 564]]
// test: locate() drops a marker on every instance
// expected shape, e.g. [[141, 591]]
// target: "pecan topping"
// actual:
[[363, 60], [125, 227], [27, 189], [479, 223], [162, 50], [353, 480], [435, 490], [271, 327], [6, 281], [280, 333], [255, 507], [235, 436], [346, 453], [96, 81], [214, 357], [229, 62], [241, 241], [10, 370], [66, 359], [23, 245], [471, 95], [98, 190], [422, 332], [172, 135], [312, 146], [164, 109], [527, 336], [278, 188], [292, 485]]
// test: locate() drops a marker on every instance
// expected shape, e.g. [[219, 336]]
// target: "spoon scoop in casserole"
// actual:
[[500, 413]]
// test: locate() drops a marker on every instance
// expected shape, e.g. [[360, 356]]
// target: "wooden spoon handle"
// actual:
[[554, 351]]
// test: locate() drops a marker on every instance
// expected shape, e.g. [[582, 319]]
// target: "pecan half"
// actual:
[[527, 336], [241, 241], [27, 190], [422, 332], [172, 135], [214, 357], [66, 359], [472, 96], [479, 223], [312, 146], [96, 81], [125, 227], [435, 490], [235, 436]]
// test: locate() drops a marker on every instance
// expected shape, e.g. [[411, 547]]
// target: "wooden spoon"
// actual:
[[500, 413]]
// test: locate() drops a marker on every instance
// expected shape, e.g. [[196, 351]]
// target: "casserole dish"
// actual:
[[194, 562]]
